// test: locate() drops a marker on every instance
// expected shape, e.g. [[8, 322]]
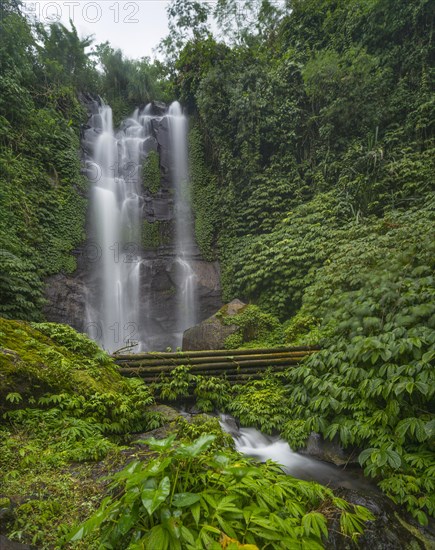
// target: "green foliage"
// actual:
[[260, 403], [43, 193], [176, 501], [129, 83], [150, 235], [155, 234], [318, 130], [318, 103], [204, 197], [64, 57], [300, 326], [211, 393], [63, 407], [176, 385], [202, 424], [296, 433], [66, 373], [373, 384], [78, 343], [42, 201], [151, 172], [257, 329]]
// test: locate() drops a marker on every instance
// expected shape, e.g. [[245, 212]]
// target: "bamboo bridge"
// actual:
[[236, 365]]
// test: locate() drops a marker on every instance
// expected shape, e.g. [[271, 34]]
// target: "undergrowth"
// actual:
[[190, 498], [66, 417]]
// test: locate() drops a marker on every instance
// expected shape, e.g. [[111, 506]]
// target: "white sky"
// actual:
[[136, 27]]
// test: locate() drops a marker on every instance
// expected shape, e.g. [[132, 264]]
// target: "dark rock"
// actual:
[[90, 102], [212, 333], [169, 413], [328, 451], [232, 426], [388, 531], [158, 108], [161, 131], [6, 544], [163, 208], [96, 122], [66, 301], [6, 508], [209, 291], [150, 144]]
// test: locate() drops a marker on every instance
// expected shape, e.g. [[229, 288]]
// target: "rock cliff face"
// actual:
[[70, 296]]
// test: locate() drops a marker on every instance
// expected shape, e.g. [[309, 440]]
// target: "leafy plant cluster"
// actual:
[[294, 111], [187, 497], [372, 386], [205, 197], [199, 424], [256, 328], [259, 403], [77, 381], [317, 124], [211, 392], [63, 405], [156, 233], [151, 172], [42, 202]]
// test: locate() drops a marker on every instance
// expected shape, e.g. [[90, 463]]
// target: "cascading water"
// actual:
[[120, 310], [184, 245], [115, 226], [253, 443]]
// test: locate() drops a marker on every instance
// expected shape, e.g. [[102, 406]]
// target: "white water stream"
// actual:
[[184, 242], [251, 442]]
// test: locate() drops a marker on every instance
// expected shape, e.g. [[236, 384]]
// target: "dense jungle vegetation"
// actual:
[[312, 165]]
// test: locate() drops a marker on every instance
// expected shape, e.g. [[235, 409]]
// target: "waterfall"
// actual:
[[184, 242], [121, 306], [115, 214]]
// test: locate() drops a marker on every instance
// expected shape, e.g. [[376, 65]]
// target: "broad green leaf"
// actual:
[[197, 447], [152, 498], [196, 512], [394, 459], [158, 537], [159, 444], [365, 455], [180, 500]]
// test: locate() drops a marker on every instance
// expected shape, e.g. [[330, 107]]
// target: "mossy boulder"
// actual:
[[235, 325], [46, 358], [213, 332]]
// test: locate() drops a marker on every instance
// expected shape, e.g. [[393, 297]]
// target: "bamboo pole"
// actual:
[[215, 366], [211, 359], [205, 353], [232, 379]]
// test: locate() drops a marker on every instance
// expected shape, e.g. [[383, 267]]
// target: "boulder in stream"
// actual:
[[328, 451]]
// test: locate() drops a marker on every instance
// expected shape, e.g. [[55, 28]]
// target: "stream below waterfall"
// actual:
[[253, 443], [391, 529]]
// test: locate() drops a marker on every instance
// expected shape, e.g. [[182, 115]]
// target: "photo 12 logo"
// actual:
[[89, 12], [116, 333]]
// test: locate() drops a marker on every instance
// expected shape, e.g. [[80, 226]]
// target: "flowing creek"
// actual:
[[253, 443]]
